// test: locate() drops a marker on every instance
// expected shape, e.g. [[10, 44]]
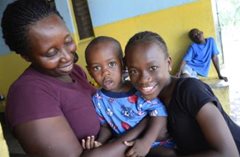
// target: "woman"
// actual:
[[49, 106]]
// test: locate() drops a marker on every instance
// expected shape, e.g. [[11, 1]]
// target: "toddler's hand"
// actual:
[[90, 143]]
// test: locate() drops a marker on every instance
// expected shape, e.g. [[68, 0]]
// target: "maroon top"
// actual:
[[35, 95]]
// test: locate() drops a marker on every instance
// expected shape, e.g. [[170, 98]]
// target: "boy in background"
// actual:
[[198, 57]]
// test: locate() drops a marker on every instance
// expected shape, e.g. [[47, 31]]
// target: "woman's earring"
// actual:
[[75, 57]]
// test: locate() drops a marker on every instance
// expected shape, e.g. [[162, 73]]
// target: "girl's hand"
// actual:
[[138, 148]]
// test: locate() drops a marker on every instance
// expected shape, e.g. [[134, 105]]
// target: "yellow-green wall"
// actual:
[[11, 66], [173, 24]]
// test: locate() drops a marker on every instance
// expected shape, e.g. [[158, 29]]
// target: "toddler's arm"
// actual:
[[104, 135]]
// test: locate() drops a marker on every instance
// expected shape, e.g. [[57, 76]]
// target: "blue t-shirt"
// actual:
[[122, 111], [199, 56]]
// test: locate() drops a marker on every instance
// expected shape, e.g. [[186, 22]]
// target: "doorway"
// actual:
[[228, 13]]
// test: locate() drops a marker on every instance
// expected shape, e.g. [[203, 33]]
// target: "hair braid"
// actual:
[[18, 17], [147, 36]]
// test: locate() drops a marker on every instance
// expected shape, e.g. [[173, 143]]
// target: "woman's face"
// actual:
[[51, 47], [148, 68]]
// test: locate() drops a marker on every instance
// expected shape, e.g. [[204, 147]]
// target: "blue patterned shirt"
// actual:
[[122, 111]]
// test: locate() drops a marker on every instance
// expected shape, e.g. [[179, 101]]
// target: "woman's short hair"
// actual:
[[18, 17]]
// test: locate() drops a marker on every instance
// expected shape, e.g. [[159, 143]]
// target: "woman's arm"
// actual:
[[48, 137], [53, 137], [216, 133]]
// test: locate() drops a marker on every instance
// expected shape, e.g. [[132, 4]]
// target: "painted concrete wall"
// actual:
[[170, 21], [109, 11]]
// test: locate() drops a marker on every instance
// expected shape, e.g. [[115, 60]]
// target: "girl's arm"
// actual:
[[216, 133], [156, 129]]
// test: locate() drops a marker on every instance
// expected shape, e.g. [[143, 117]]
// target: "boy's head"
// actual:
[[104, 58], [196, 36], [148, 63]]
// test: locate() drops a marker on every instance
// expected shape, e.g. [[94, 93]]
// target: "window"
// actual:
[[83, 18], [51, 3]]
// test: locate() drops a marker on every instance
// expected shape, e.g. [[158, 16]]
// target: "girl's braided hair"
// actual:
[[147, 36]]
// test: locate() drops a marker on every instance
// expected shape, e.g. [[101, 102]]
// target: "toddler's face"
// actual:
[[148, 68], [105, 66]]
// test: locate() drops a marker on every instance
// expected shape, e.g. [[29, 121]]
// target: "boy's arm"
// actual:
[[216, 65], [178, 74]]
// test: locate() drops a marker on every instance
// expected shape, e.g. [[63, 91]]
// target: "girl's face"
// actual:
[[105, 66], [148, 68], [52, 47]]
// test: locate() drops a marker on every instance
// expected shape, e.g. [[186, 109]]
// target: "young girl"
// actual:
[[119, 105], [196, 120]]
